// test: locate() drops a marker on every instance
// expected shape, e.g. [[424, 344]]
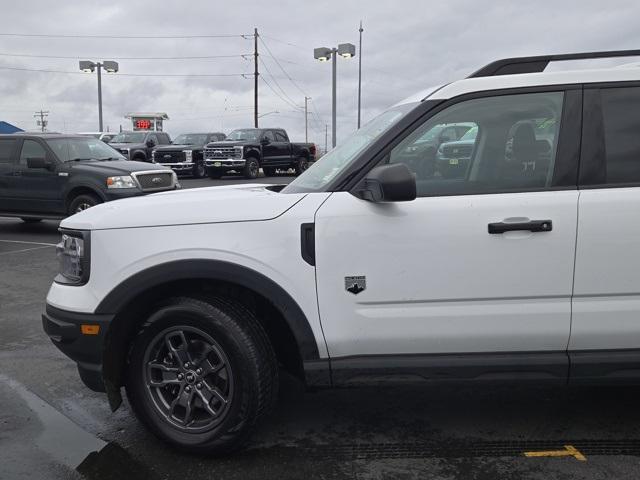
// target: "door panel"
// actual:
[[431, 276], [438, 282], [7, 156], [606, 306]]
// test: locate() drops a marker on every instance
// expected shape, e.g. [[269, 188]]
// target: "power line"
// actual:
[[72, 57], [49, 35], [284, 42], [277, 94], [291, 101], [245, 75], [282, 68]]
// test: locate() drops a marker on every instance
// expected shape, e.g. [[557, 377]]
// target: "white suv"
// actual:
[[374, 266]]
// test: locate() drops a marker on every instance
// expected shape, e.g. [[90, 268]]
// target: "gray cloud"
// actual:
[[408, 46]]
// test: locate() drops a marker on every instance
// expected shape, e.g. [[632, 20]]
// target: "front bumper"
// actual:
[[180, 166], [64, 330], [117, 193], [224, 163]]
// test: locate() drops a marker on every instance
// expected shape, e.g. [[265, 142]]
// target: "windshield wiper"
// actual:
[[107, 159], [80, 159]]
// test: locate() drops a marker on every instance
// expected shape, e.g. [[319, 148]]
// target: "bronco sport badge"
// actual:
[[355, 285]]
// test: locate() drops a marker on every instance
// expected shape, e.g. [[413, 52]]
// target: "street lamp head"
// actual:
[[110, 66], [87, 66], [323, 54], [347, 50]]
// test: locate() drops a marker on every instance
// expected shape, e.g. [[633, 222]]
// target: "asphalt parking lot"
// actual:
[[51, 426]]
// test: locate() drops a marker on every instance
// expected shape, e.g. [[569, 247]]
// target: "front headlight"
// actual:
[[188, 155], [73, 258], [124, 181]]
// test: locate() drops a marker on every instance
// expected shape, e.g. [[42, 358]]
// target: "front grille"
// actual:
[[155, 181], [169, 157], [457, 151], [222, 152]]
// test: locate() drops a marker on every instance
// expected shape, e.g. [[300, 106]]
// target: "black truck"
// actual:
[[139, 145], [53, 175], [247, 150], [185, 154]]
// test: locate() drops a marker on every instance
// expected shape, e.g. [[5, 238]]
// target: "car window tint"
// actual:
[[511, 145], [280, 137], [269, 134], [621, 119], [6, 149], [31, 149]]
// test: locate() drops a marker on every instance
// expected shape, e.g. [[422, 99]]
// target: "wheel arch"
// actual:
[[132, 300], [82, 190]]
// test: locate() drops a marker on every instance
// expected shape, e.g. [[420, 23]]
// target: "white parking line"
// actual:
[[28, 243], [26, 249]]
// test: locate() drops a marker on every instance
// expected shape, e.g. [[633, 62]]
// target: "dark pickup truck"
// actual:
[[139, 145], [249, 149], [185, 154]]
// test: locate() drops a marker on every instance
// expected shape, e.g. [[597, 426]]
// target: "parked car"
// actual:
[[185, 154], [104, 136], [139, 145], [248, 149], [452, 158], [366, 271], [55, 175]]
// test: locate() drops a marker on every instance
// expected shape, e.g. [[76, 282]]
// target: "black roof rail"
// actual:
[[536, 64]]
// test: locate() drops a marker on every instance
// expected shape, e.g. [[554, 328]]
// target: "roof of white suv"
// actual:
[[469, 85]]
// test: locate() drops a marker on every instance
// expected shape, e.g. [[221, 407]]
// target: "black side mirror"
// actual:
[[151, 143], [39, 163], [265, 141], [389, 183]]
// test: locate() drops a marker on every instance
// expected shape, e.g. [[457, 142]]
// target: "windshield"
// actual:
[[191, 139], [89, 148], [322, 172], [134, 137], [471, 134], [246, 134]]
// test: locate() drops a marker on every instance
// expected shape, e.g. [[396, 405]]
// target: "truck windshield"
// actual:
[[191, 139], [246, 134], [129, 138], [68, 149], [328, 167]]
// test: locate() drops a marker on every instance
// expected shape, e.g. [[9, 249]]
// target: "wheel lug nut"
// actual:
[[180, 376], [187, 365], [199, 371], [187, 388], [198, 385]]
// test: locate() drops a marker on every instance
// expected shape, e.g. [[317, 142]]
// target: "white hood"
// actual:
[[233, 203]]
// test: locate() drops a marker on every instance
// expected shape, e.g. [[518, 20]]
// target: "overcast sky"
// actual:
[[408, 45]]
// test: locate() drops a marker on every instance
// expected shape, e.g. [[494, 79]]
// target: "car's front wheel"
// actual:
[[82, 202], [201, 374], [251, 168]]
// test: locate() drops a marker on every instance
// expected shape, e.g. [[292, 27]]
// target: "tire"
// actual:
[[251, 168], [301, 165], [216, 175], [199, 170], [269, 171], [82, 202], [30, 220], [243, 372], [139, 158]]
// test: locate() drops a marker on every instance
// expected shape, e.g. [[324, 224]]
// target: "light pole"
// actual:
[[360, 72], [89, 66], [346, 50]]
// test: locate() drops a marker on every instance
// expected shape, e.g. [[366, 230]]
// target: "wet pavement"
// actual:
[[52, 427]]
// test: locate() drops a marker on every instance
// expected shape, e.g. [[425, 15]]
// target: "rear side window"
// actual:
[[621, 124], [280, 136], [7, 146]]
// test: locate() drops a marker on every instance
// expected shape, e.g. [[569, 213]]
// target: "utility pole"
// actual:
[[99, 68], [326, 134], [42, 123], [360, 73], [255, 78], [306, 112]]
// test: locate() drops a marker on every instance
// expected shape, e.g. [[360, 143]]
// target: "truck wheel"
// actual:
[[216, 175], [82, 202], [199, 169], [301, 165], [251, 168], [269, 171], [201, 374]]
